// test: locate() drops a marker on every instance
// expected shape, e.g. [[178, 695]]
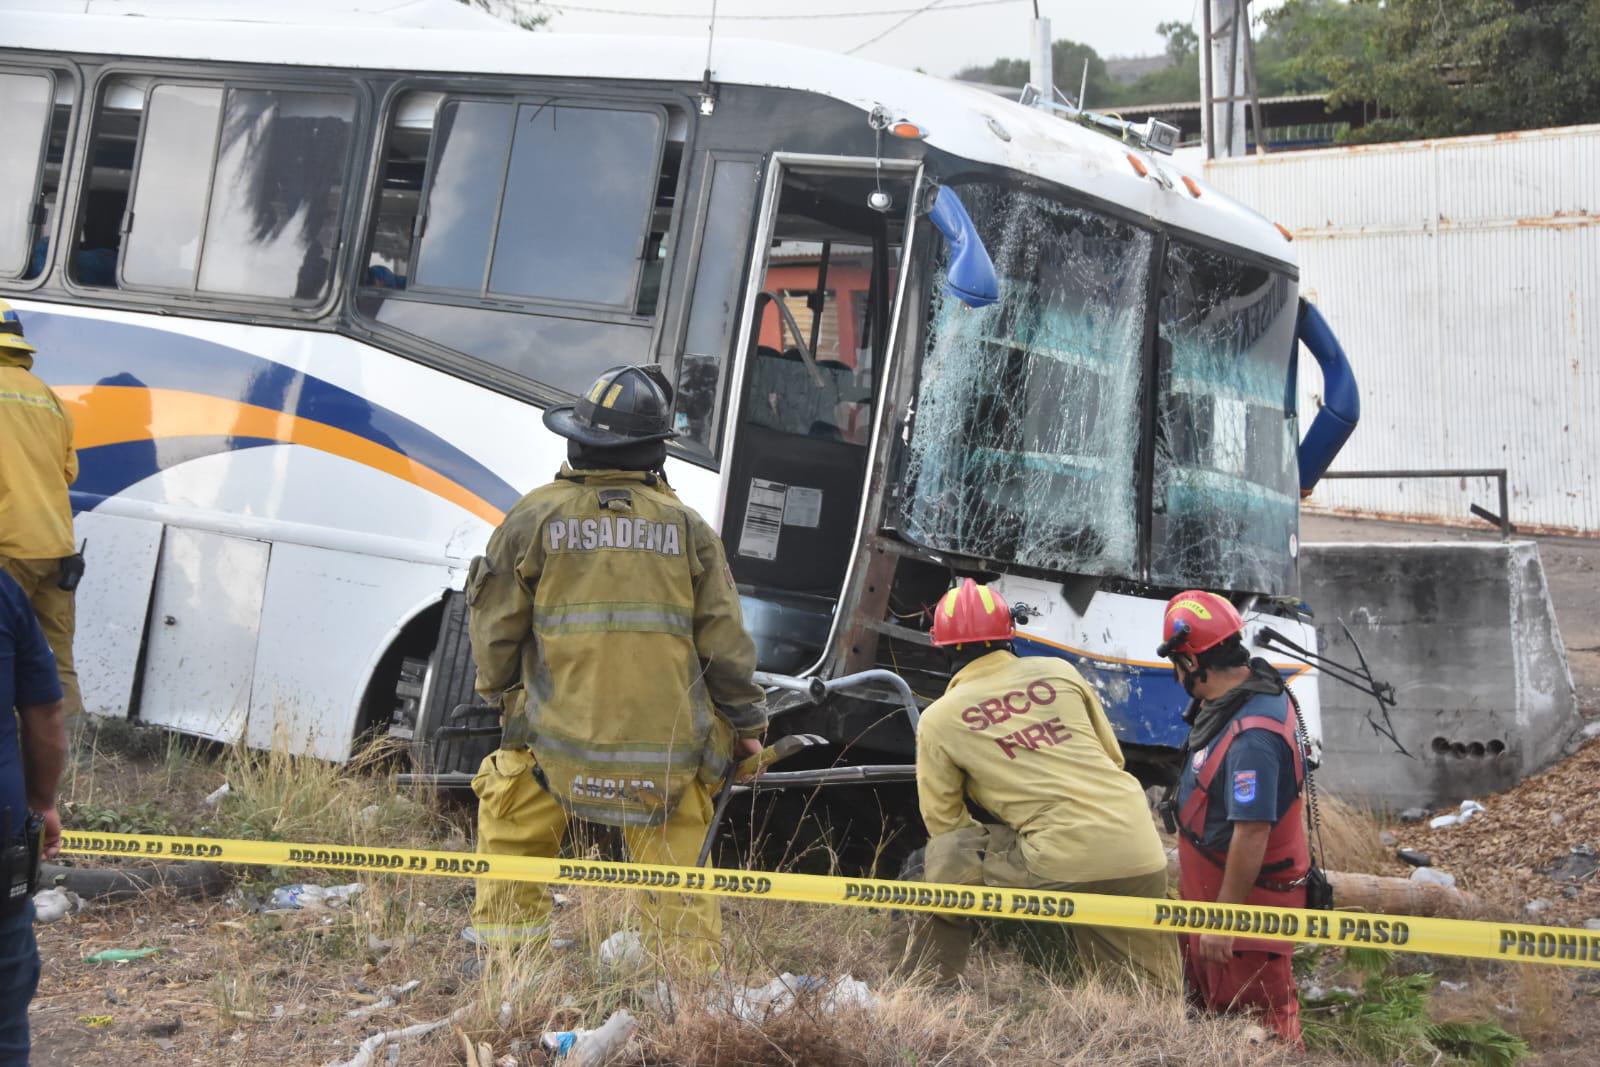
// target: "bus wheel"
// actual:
[[447, 684]]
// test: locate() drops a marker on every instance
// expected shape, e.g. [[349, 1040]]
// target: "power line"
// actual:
[[875, 39], [912, 12]]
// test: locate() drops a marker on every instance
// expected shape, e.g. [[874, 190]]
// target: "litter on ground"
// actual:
[[121, 955], [1434, 876], [622, 949], [56, 903], [591, 1048], [314, 896]]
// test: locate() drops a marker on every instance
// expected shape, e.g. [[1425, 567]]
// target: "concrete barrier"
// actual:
[[1466, 633]]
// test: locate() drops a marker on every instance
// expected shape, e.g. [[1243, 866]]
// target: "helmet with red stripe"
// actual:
[[971, 614]]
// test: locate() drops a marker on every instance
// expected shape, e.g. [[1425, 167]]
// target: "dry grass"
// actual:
[[1349, 838], [1539, 1004], [255, 987], [274, 796]]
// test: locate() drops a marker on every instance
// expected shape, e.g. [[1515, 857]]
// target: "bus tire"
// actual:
[[449, 683]]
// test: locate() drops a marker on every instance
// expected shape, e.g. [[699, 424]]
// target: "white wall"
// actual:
[[1463, 277]]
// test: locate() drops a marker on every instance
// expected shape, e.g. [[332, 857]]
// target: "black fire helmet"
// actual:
[[625, 405]]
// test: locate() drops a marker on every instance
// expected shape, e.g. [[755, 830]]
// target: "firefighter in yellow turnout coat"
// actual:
[[605, 624], [1026, 739], [37, 464]]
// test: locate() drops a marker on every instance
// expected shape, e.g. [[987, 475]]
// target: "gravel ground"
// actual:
[[1520, 848]]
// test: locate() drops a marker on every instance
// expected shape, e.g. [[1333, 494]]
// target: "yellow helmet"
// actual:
[[11, 330]]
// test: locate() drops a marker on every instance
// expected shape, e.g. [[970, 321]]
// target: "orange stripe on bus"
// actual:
[[117, 414]]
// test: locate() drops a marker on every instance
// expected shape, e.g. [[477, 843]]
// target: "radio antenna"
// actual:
[[708, 92]]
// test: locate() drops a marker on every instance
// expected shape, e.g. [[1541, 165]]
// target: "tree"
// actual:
[[1067, 60], [1303, 40], [1182, 42], [1438, 68], [524, 13]]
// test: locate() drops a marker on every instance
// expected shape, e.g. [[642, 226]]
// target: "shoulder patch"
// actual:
[[1244, 786]]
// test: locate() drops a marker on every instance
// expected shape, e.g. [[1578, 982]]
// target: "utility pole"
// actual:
[[1225, 36], [1040, 76]]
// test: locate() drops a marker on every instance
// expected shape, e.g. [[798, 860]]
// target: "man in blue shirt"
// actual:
[[33, 752], [1239, 813]]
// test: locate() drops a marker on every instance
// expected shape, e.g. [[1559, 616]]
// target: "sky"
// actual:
[[940, 42]]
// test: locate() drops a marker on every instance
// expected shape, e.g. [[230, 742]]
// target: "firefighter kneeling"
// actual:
[[606, 625], [1242, 839], [1027, 740]]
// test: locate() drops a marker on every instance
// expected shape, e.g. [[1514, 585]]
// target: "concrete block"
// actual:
[[1466, 633]]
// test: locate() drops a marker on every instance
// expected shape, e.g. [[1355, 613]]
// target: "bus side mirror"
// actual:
[[971, 278], [1341, 405]]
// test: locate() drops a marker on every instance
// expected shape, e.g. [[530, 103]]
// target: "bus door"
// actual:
[[815, 335]]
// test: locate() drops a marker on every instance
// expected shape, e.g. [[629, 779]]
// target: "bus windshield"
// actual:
[[1030, 415], [1026, 435], [1226, 499]]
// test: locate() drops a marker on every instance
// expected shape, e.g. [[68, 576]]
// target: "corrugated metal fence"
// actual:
[[1463, 277]]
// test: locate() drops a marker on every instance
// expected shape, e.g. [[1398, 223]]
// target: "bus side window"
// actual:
[[38, 110], [658, 242], [505, 225], [405, 161], [176, 156], [108, 177], [719, 274], [217, 189]]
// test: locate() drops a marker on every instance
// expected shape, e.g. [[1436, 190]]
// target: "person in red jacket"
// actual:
[[1241, 830]]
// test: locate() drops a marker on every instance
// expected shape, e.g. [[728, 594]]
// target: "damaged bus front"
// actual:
[[1115, 424]]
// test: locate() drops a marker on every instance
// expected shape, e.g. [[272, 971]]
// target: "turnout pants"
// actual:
[[518, 817], [992, 856], [1258, 982], [57, 613]]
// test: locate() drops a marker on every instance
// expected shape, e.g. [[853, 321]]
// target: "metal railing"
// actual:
[[1502, 520]]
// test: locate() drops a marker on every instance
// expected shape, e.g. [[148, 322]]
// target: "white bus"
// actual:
[[307, 285]]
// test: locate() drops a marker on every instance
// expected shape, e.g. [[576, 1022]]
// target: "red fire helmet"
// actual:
[[971, 613], [1197, 620]]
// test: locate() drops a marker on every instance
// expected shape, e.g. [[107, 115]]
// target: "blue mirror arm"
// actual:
[[971, 278], [1341, 400]]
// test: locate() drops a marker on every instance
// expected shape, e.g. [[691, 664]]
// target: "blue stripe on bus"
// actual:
[[74, 350], [107, 470]]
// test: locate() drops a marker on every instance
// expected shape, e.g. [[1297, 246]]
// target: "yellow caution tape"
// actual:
[[1445, 937]]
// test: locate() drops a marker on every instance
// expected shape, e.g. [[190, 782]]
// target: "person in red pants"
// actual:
[[1241, 830]]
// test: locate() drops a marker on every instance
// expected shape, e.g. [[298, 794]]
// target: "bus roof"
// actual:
[[432, 36]]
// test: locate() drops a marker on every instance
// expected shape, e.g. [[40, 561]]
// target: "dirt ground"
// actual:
[[226, 987], [231, 985]]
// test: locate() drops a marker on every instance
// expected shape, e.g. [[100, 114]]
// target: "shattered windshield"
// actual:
[[1226, 499], [1026, 426]]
